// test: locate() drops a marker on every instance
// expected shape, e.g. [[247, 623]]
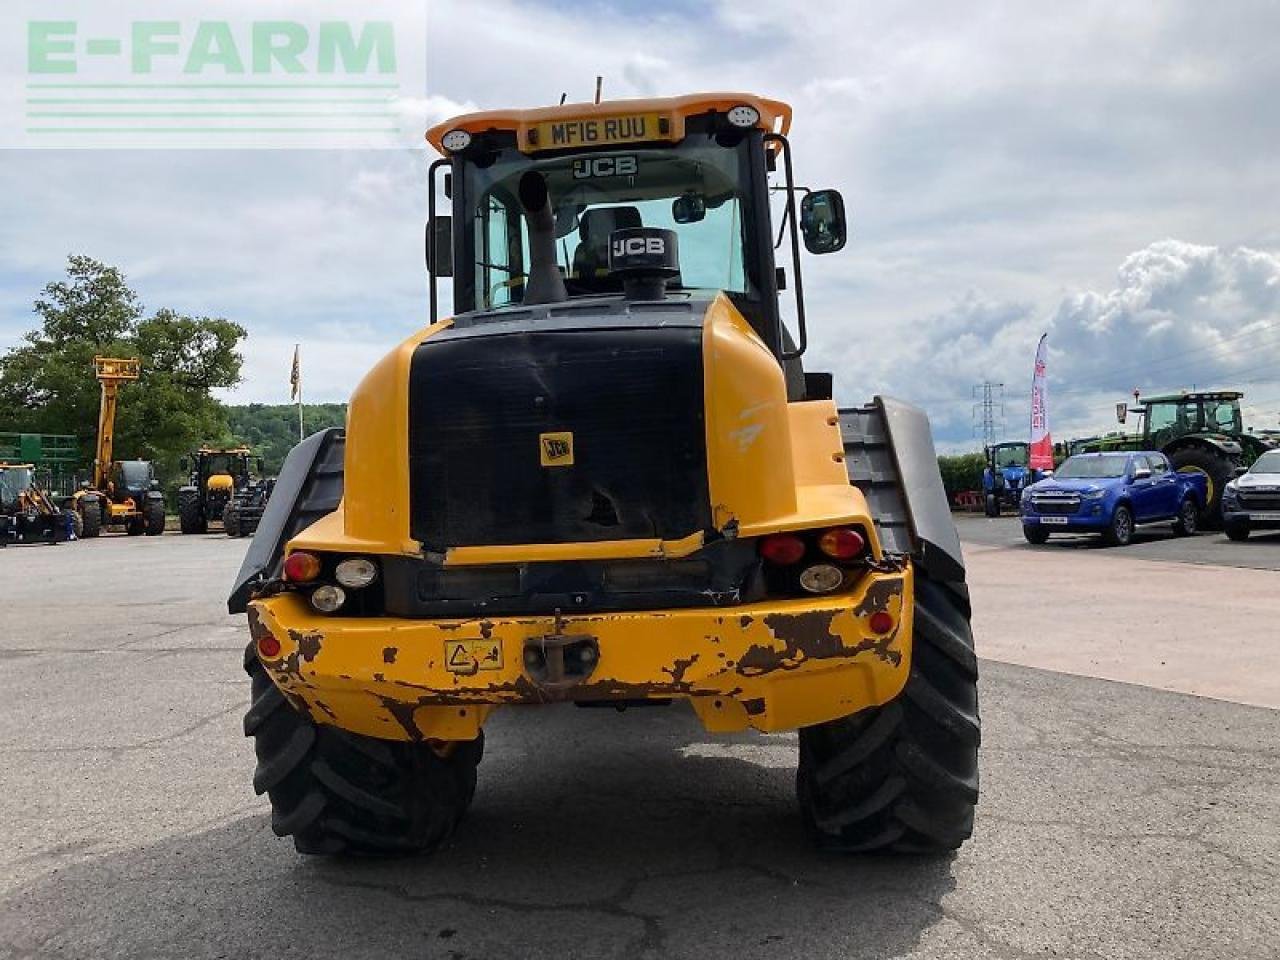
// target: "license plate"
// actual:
[[599, 131], [1059, 520]]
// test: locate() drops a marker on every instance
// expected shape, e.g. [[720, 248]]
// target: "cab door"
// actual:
[[1165, 483], [1143, 492]]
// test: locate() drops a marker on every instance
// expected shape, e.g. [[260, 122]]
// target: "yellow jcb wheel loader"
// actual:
[[124, 493], [607, 479]]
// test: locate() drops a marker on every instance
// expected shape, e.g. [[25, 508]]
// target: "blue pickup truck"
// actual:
[[1110, 494]]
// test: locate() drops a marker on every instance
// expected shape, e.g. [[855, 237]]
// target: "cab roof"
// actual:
[[1185, 395], [775, 116]]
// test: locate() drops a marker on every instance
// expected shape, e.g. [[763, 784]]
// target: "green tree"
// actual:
[[272, 429], [47, 383]]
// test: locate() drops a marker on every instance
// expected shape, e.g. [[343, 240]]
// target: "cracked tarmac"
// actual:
[[1117, 821]]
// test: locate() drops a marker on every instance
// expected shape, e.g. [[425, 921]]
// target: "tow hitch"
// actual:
[[558, 661]]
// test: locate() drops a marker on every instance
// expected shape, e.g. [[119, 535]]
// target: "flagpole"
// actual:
[[296, 354]]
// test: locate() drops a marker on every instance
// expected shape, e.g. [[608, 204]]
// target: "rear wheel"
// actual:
[[90, 520], [155, 518], [903, 777], [1237, 530], [336, 792], [191, 513], [137, 525], [1120, 533], [231, 522], [1217, 470], [1036, 535], [993, 505], [1188, 521]]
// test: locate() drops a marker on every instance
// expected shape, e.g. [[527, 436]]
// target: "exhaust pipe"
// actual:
[[544, 283]]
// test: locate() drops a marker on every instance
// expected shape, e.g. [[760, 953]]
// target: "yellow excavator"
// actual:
[[124, 494], [607, 479]]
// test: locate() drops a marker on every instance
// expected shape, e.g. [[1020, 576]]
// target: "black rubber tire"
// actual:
[[1036, 535], [191, 514], [903, 777], [337, 792], [154, 513], [992, 505], [137, 525], [1237, 531], [231, 522], [1120, 532], [1188, 522], [90, 521], [1219, 468]]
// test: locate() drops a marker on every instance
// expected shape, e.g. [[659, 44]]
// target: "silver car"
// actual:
[[1252, 500]]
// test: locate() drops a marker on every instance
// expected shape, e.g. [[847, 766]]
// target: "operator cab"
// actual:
[[691, 173]]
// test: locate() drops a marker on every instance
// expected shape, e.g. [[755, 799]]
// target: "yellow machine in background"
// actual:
[[123, 493], [608, 480]]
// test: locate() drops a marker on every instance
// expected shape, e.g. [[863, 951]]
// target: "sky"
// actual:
[[1101, 172]]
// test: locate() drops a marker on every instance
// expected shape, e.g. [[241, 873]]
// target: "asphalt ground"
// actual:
[[1117, 820]]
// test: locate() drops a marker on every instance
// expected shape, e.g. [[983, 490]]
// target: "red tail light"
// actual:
[[881, 621], [784, 549], [841, 543], [301, 567]]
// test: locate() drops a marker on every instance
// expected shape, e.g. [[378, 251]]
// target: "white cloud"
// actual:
[[998, 161]]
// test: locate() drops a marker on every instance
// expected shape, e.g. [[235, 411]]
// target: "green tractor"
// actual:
[[1199, 431]]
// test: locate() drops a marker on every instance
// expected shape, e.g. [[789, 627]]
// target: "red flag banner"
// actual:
[[1041, 442]]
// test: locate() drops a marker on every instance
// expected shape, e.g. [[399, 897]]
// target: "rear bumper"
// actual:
[[769, 666]]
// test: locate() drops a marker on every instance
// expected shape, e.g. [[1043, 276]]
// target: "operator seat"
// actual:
[[591, 257]]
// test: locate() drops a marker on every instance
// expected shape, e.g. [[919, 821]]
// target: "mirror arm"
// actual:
[[786, 213], [431, 240], [797, 280]]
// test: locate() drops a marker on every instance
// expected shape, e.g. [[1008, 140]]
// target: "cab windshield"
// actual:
[[1015, 456], [13, 481], [1269, 462], [695, 188], [1093, 468]]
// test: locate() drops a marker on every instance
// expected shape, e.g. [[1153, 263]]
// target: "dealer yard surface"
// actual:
[[1117, 819]]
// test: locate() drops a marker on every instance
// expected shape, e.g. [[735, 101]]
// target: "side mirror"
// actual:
[[1239, 471], [184, 465], [1141, 473], [822, 221], [689, 208], [439, 246]]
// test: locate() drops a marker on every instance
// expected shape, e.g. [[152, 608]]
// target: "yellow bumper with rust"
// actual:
[[775, 665]]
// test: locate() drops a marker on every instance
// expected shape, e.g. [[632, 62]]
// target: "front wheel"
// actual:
[[90, 520], [992, 505], [903, 777], [191, 513], [1237, 531], [155, 518], [1036, 535], [337, 792], [1120, 533], [1217, 469]]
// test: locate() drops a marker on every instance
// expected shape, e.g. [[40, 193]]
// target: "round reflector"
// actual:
[[841, 543], [783, 549], [356, 572], [881, 621], [327, 598], [301, 567], [821, 578], [268, 647]]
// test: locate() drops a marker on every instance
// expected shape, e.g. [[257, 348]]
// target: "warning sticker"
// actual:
[[470, 656]]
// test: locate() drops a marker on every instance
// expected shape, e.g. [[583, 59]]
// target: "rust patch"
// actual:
[[678, 668], [403, 714], [389, 654], [308, 643], [486, 629], [878, 596], [380, 678], [746, 620], [754, 707], [257, 629]]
